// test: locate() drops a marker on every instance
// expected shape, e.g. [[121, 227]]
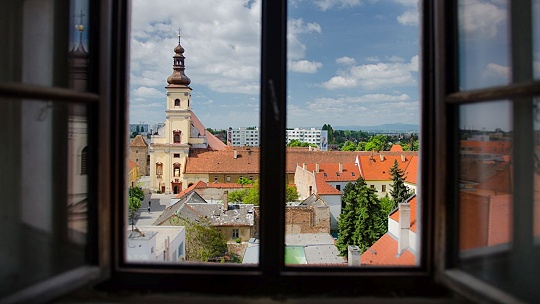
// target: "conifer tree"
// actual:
[[399, 192], [362, 221]]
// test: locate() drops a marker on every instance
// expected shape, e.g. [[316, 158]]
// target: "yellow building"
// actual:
[[181, 132]]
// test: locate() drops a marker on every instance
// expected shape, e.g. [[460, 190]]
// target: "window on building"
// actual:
[[383, 188], [338, 187], [176, 136], [176, 170], [228, 179], [176, 155], [177, 102], [159, 168], [235, 233], [215, 179]]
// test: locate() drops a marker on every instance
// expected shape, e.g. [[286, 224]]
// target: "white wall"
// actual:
[[334, 202]]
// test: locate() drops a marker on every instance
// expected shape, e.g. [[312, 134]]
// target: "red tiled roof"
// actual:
[[396, 148], [372, 168], [198, 184], [204, 161], [395, 214], [384, 252], [138, 141], [332, 172], [132, 165], [491, 147], [213, 142]]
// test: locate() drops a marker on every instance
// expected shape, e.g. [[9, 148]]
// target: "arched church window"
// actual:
[[177, 102], [176, 169], [159, 168], [176, 137], [84, 161]]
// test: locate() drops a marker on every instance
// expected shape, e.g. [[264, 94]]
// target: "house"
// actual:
[[156, 244], [133, 174], [375, 169], [327, 181], [397, 247], [138, 153]]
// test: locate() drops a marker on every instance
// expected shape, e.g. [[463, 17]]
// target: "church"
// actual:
[[181, 133]]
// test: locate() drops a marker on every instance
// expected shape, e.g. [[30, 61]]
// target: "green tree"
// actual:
[[252, 195], [244, 181], [137, 192], [134, 204], [362, 221], [361, 146], [377, 142], [387, 205], [399, 192], [237, 196], [291, 194], [349, 146], [203, 242]]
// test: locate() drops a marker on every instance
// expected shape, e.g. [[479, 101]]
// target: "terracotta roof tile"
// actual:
[[132, 164], [138, 141], [377, 166], [396, 148], [213, 142], [384, 253]]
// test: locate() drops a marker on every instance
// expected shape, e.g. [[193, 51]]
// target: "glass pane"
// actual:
[[194, 151], [44, 200], [79, 48], [485, 178], [353, 113], [483, 44]]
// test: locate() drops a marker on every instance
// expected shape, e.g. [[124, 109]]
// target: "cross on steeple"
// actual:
[[81, 15]]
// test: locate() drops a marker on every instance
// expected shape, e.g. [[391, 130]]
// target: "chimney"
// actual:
[[310, 148], [404, 227], [317, 167], [402, 158], [304, 166], [382, 157], [353, 256], [340, 167], [235, 154], [225, 200]]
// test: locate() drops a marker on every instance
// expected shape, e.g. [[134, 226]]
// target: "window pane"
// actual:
[[485, 178], [483, 44], [194, 145], [352, 113], [45, 203]]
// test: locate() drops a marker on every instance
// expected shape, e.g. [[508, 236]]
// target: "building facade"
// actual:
[[311, 135], [243, 137], [182, 131]]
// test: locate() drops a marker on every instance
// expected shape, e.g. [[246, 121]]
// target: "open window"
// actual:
[[79, 233]]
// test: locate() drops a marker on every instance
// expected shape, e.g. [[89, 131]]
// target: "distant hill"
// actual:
[[394, 127]]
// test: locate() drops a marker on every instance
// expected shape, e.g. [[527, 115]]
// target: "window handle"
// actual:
[[273, 98]]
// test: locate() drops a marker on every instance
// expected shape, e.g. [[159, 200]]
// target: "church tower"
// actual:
[[181, 132], [170, 148]]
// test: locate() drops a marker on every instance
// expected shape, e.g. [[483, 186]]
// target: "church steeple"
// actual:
[[178, 77]]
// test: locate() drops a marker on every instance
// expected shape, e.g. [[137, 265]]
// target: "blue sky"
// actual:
[[351, 62]]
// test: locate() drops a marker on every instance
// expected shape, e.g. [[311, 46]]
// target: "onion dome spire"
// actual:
[[178, 77]]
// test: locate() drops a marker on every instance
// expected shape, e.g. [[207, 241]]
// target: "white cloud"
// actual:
[[304, 66], [146, 92], [480, 19], [345, 60], [372, 59], [409, 17], [497, 71], [374, 76], [325, 5], [371, 109], [295, 27]]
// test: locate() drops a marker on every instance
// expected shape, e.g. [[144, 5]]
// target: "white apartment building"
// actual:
[[243, 137], [311, 135]]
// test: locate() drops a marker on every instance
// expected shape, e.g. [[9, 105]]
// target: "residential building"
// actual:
[[243, 137], [156, 244], [133, 174], [399, 246], [311, 135]]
